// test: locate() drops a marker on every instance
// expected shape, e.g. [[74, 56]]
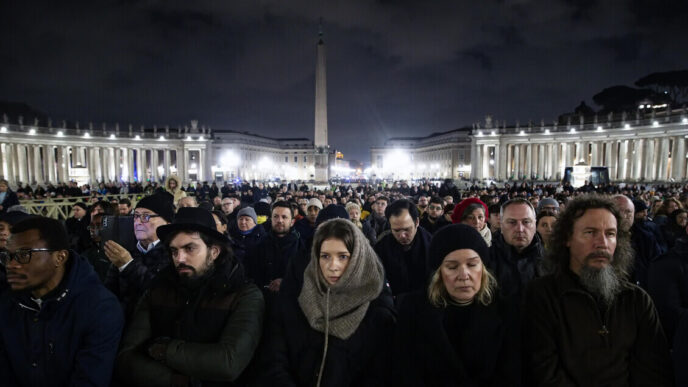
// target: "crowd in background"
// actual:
[[395, 283]]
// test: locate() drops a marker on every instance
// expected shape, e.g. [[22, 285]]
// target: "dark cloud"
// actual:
[[395, 68]]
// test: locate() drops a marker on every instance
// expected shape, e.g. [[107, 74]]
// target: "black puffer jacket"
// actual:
[[294, 350], [512, 269]]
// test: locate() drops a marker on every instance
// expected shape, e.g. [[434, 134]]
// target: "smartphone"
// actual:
[[119, 229]]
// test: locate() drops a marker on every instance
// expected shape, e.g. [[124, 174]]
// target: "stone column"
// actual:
[[637, 159], [608, 159], [541, 173], [140, 169], [201, 164], [125, 164], [21, 160], [166, 163], [130, 165], [517, 162], [37, 165], [623, 160], [49, 157], [509, 162], [9, 163], [594, 161], [529, 161], [3, 163], [185, 165], [112, 164], [154, 165], [663, 160], [678, 159]]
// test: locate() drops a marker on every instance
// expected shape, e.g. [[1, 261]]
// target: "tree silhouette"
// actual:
[[673, 83]]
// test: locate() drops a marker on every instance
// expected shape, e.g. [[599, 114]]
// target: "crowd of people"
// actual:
[[369, 285]]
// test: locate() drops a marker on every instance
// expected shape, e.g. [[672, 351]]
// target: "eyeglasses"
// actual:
[[435, 208], [145, 218], [22, 256]]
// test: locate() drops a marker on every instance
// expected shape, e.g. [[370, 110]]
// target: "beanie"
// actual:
[[263, 209], [160, 204], [547, 202], [458, 210], [455, 237], [332, 211], [250, 212]]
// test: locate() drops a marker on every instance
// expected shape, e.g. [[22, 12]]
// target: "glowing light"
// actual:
[[112, 137], [627, 126], [189, 138], [162, 138], [32, 131], [599, 129], [230, 160], [522, 133], [3, 129], [493, 133], [60, 134], [573, 130], [86, 135], [655, 124], [546, 131], [137, 138], [685, 120]]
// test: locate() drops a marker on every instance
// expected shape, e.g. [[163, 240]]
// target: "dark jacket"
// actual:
[[514, 270], [378, 224], [77, 229], [270, 258], [71, 340], [405, 270], [569, 341], [130, 284], [241, 243], [10, 200], [98, 260], [425, 354], [430, 226], [294, 350], [668, 286], [213, 331], [680, 351], [646, 249], [304, 228]]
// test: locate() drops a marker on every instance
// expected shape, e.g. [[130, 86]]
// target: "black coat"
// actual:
[[130, 284], [425, 356], [294, 350], [241, 243], [9, 201], [514, 270], [270, 258], [379, 225], [646, 249], [668, 286], [433, 227], [405, 270]]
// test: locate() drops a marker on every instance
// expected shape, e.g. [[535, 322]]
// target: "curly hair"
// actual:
[[558, 255]]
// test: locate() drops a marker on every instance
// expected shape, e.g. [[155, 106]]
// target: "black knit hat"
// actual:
[[455, 237], [333, 211], [160, 204], [192, 219]]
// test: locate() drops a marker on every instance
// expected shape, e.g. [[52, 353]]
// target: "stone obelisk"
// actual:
[[322, 148]]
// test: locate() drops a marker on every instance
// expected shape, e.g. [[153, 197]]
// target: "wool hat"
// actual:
[[160, 204], [262, 209], [333, 211], [547, 202], [639, 205], [82, 205], [314, 202], [455, 237], [248, 211], [458, 210], [192, 219]]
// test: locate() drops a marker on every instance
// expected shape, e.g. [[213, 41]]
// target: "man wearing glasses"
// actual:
[[432, 219], [60, 326], [132, 271]]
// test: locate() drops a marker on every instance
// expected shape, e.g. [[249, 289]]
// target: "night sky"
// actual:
[[395, 68]]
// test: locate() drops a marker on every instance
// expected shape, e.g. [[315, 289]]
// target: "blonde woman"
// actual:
[[354, 211], [457, 332]]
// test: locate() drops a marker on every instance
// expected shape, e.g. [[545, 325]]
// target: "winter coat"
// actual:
[[213, 331], [405, 270], [668, 285], [70, 340], [304, 228], [177, 192], [514, 270], [270, 258], [425, 355], [294, 350], [98, 260], [433, 227], [569, 341], [646, 249], [241, 243], [379, 225], [10, 200], [680, 351], [130, 284]]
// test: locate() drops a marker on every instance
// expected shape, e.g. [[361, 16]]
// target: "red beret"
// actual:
[[458, 210]]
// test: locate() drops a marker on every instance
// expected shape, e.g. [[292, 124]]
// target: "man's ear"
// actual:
[[214, 251], [60, 257]]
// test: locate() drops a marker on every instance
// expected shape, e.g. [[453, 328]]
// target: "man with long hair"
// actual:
[[585, 324]]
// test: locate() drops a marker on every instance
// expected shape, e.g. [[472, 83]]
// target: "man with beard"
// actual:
[[201, 321], [585, 324], [267, 263], [432, 219], [60, 326], [404, 249]]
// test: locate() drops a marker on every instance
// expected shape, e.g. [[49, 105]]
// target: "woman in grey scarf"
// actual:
[[336, 328]]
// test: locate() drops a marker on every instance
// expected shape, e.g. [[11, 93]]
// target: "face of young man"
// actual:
[[379, 207], [281, 221], [41, 273], [403, 228], [191, 256]]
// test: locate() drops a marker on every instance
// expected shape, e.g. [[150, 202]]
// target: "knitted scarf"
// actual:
[[339, 309]]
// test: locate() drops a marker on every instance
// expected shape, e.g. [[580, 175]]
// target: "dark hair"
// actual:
[[469, 210], [51, 231], [493, 209], [125, 201], [105, 205], [436, 200], [558, 255], [284, 204], [544, 214], [220, 215], [385, 198], [397, 206], [333, 229], [226, 254]]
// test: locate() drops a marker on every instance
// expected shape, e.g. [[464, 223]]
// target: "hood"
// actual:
[[176, 179]]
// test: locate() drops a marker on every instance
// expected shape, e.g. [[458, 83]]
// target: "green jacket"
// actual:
[[211, 332]]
